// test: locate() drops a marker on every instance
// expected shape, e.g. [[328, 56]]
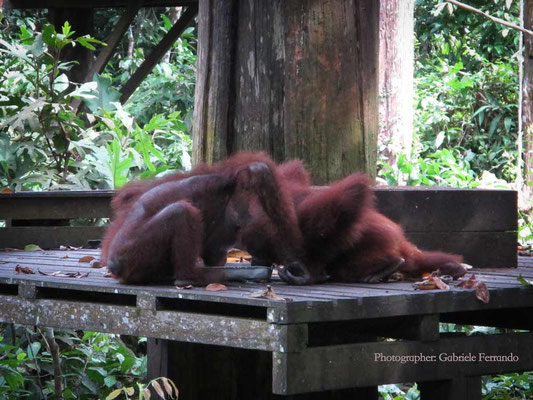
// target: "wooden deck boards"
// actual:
[[327, 328], [344, 301]]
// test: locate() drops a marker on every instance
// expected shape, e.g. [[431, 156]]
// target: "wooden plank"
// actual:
[[305, 372], [423, 208], [49, 236], [54, 207], [158, 52], [129, 320], [415, 303], [92, 4], [479, 249]]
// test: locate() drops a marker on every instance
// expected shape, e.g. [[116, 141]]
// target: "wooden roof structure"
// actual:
[[93, 4]]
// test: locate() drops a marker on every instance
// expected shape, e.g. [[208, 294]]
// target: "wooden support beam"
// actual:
[[21, 4], [112, 41], [158, 52], [304, 372]]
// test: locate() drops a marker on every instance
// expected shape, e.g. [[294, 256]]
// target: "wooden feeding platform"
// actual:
[[318, 338], [327, 341]]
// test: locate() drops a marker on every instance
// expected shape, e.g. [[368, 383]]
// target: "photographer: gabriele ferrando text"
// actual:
[[445, 357]]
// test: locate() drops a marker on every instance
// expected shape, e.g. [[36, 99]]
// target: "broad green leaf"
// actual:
[[524, 281], [66, 29], [38, 46], [114, 394], [106, 95], [48, 35], [33, 350], [110, 381], [32, 247], [61, 83]]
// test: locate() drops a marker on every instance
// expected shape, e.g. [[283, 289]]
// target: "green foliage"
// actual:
[[466, 96], [397, 392], [170, 86], [93, 364], [508, 387], [49, 143]]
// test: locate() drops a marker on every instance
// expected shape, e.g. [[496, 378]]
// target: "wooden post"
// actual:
[[225, 373], [296, 79]]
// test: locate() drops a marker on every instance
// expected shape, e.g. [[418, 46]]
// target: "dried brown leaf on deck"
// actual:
[[468, 283], [269, 293], [19, 269], [95, 264], [65, 274], [86, 259], [69, 248], [480, 287], [432, 281], [482, 292], [183, 287], [216, 287]]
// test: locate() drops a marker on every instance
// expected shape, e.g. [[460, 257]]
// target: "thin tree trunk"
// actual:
[[174, 15], [396, 81], [131, 42], [527, 106]]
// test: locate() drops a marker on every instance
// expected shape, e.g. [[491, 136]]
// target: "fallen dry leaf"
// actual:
[[482, 292], [183, 287], [269, 293], [6, 191], [433, 281], [216, 287], [108, 275], [95, 264], [425, 285], [439, 283], [24, 270], [468, 283], [86, 259], [65, 274]]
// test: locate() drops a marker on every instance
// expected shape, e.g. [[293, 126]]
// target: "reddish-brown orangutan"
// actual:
[[161, 227], [347, 240]]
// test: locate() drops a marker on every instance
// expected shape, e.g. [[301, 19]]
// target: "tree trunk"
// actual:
[[297, 79], [527, 106], [174, 16], [396, 78]]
